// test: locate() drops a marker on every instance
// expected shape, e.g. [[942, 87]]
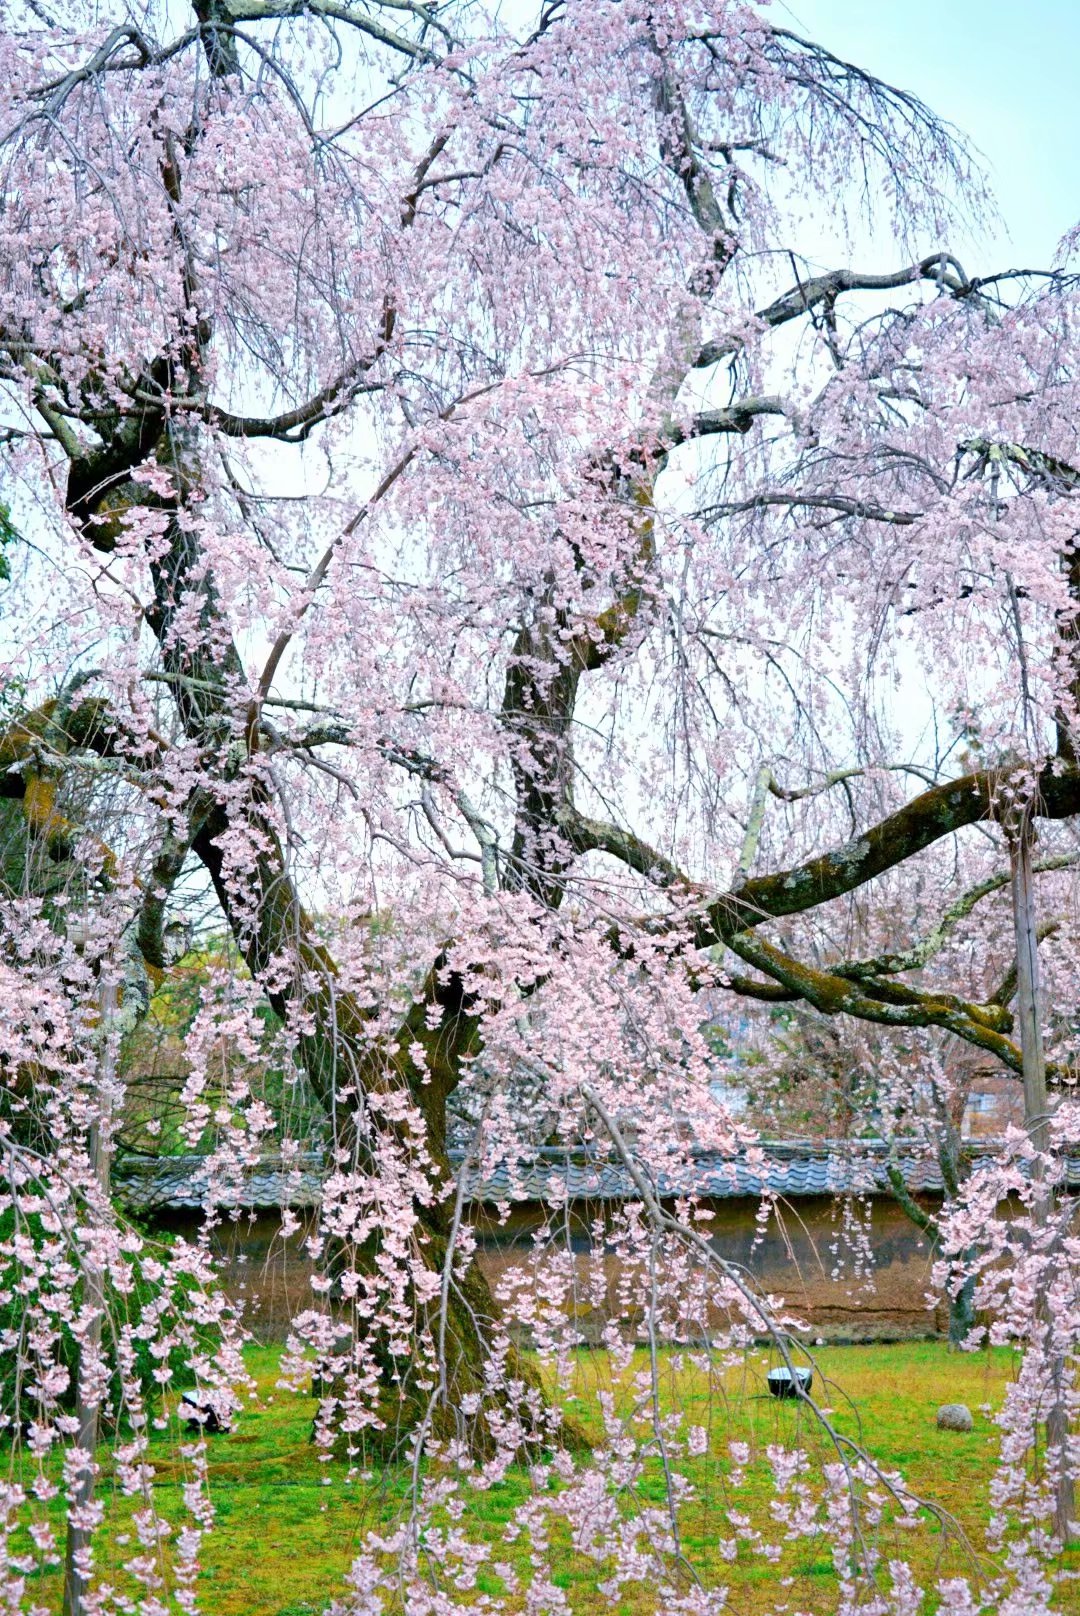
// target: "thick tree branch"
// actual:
[[738, 417], [917, 825], [833, 995], [837, 504], [599, 836], [854, 989], [290, 426], [932, 815], [807, 295], [337, 11]]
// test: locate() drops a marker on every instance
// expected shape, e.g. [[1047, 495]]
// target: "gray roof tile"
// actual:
[[782, 1168]]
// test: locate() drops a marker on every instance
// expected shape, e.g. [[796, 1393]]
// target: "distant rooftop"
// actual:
[[790, 1170]]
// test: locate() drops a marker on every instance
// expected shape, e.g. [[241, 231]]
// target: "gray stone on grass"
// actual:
[[954, 1417]]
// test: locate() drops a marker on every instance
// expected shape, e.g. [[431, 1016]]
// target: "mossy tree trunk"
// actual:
[[347, 1070]]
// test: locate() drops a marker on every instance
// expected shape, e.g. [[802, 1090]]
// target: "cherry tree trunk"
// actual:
[[347, 1069]]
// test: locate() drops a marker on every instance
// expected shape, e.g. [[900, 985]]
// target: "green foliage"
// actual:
[[8, 535], [12, 694], [718, 1040], [154, 1066], [125, 1305]]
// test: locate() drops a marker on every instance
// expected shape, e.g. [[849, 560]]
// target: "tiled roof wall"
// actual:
[[790, 1170]]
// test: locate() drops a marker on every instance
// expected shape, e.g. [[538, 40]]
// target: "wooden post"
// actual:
[[1037, 1121], [1028, 1009], [78, 1536]]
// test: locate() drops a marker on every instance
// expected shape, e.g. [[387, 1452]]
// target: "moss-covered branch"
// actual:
[[929, 817], [887, 1004]]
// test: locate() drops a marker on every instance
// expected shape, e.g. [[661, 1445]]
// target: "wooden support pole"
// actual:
[[1037, 1122]]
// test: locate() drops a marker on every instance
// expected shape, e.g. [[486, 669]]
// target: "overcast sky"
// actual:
[[1008, 74]]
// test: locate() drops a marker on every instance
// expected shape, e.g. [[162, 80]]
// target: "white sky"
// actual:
[[1008, 75]]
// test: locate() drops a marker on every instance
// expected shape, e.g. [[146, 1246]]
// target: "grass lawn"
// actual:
[[287, 1525]]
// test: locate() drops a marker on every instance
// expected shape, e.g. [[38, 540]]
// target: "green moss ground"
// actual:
[[288, 1525]]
